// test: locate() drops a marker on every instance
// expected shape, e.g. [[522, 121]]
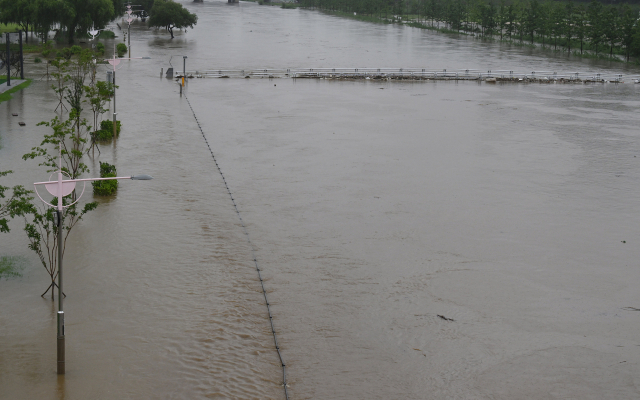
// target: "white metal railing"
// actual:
[[412, 73]]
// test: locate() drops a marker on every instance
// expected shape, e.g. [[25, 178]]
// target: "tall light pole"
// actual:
[[114, 62], [60, 189], [130, 20], [184, 69]]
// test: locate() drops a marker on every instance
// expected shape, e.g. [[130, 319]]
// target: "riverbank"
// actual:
[[415, 21]]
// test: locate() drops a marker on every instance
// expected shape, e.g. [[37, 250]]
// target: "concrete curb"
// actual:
[[14, 83]]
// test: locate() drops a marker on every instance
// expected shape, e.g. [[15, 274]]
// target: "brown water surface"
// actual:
[[375, 210]]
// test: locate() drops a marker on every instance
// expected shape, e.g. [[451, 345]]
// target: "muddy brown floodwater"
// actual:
[[429, 240]]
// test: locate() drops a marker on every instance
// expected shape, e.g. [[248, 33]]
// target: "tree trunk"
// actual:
[[71, 30]]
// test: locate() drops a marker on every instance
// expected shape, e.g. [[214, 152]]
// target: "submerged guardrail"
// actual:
[[414, 74]]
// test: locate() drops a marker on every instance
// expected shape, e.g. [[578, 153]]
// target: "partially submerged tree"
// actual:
[[169, 14], [62, 149], [81, 15], [8, 205]]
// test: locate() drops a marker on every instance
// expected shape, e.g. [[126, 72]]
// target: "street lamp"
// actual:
[[59, 189], [130, 20], [184, 66], [94, 32], [114, 62]]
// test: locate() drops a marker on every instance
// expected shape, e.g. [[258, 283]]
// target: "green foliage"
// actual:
[[107, 125], [7, 94], [8, 206], [8, 27], [76, 16], [108, 187], [169, 14], [121, 49], [37, 60], [61, 149], [562, 24], [105, 133], [107, 34], [46, 49], [100, 48], [98, 93]]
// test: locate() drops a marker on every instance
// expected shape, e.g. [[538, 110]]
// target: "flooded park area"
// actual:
[[417, 240]]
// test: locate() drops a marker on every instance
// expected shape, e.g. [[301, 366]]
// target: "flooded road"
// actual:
[[423, 240]]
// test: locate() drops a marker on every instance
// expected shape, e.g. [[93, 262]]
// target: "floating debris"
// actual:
[[445, 318], [21, 123], [15, 114]]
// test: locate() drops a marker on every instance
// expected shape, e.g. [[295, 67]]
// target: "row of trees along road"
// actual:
[[570, 25], [78, 16], [74, 16]]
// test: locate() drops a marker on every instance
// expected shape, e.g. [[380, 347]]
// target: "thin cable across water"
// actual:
[[253, 253]]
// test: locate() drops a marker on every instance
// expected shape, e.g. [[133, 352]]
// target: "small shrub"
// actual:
[[109, 187], [107, 125], [65, 53], [121, 49], [75, 49], [46, 49], [103, 135], [100, 48], [37, 60]]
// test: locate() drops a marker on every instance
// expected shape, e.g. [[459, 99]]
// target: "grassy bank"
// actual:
[[9, 28], [7, 95]]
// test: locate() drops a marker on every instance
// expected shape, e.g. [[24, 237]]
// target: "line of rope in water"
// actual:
[[253, 253]]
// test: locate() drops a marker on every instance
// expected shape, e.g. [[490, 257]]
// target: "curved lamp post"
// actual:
[[59, 189], [94, 32], [130, 20], [115, 61]]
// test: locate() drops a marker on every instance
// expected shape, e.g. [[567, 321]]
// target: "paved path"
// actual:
[[14, 83]]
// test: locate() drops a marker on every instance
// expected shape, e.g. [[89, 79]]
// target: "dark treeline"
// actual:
[[70, 16], [571, 26]]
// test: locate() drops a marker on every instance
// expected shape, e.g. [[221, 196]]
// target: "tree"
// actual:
[[169, 14], [595, 30], [68, 139], [627, 27], [45, 15], [17, 11], [569, 24], [556, 18], [81, 15], [635, 43], [98, 93], [7, 208], [611, 28], [580, 26]]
